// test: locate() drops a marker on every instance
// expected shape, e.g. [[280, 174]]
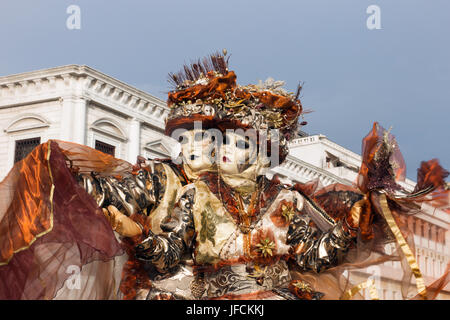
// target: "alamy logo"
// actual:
[[374, 20], [73, 282], [73, 22]]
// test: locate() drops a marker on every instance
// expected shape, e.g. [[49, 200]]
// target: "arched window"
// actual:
[[26, 122], [25, 132]]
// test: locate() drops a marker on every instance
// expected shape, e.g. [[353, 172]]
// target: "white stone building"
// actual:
[[79, 104]]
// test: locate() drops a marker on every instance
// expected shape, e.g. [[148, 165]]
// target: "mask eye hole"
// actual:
[[243, 144], [182, 139], [208, 137], [226, 140]]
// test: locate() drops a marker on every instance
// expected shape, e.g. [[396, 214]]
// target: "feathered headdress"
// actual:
[[207, 91]]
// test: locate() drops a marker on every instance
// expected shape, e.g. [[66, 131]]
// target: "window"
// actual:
[[105, 147], [24, 147]]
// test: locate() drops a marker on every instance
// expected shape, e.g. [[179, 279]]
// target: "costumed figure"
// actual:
[[140, 201], [58, 193], [253, 238], [203, 233], [240, 229]]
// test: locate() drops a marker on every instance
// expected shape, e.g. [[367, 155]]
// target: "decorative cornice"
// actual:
[[80, 80]]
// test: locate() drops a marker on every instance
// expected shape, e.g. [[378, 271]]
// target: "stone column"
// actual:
[[433, 231], [433, 237], [425, 234], [411, 224], [79, 121], [134, 140], [419, 227], [441, 236], [73, 119], [446, 240], [440, 240], [67, 113]]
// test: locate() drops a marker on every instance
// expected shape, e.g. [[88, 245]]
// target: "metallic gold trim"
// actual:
[[369, 283], [404, 246], [51, 211]]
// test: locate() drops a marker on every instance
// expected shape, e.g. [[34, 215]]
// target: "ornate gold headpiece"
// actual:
[[207, 91]]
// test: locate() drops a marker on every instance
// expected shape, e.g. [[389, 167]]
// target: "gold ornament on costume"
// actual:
[[209, 223], [287, 212], [265, 247], [303, 286], [259, 274]]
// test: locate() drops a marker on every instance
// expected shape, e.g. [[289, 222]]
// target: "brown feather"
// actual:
[[192, 72]]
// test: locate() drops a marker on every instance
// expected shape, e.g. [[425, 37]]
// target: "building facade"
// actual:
[[79, 104]]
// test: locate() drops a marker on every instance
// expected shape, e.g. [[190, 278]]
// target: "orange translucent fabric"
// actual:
[[25, 203], [48, 223]]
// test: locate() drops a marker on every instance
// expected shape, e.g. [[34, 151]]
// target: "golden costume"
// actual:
[[248, 240], [202, 234], [245, 252]]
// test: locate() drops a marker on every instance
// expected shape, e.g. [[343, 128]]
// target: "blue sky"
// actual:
[[398, 75]]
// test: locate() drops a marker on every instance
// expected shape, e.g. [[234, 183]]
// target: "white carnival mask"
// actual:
[[237, 153], [197, 150]]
